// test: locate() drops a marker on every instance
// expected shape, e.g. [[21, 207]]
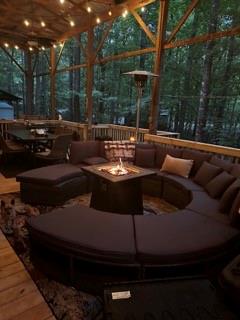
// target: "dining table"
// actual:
[[30, 138]]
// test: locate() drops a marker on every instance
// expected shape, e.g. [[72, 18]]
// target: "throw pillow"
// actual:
[[145, 158], [163, 150], [235, 211], [206, 173], [120, 149], [228, 197], [180, 167], [217, 185], [198, 156]]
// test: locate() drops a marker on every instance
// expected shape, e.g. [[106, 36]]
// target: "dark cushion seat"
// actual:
[[50, 175], [182, 238], [90, 234]]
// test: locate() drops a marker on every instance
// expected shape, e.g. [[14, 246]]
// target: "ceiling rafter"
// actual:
[[144, 27]]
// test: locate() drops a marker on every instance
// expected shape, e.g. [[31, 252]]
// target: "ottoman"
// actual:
[[52, 185]]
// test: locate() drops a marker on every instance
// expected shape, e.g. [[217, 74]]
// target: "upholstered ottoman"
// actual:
[[52, 185]]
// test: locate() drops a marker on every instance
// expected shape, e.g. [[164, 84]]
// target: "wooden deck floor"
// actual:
[[20, 298]]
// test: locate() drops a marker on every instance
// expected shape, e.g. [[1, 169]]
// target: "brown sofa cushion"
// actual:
[[89, 233], [181, 238], [206, 173], [81, 150], [198, 157], [221, 163], [219, 184], [181, 167], [235, 171], [228, 197], [50, 175], [94, 160], [145, 157], [235, 211], [162, 151]]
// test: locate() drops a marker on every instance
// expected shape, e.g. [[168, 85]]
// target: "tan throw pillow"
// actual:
[[180, 167]]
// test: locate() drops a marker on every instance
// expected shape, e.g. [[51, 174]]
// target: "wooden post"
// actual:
[[53, 83], [90, 74], [29, 83], [162, 20]]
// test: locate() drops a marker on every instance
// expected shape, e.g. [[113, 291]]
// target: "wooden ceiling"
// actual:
[[50, 20]]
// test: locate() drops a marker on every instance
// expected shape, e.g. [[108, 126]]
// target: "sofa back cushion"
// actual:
[[228, 196], [120, 149], [221, 163], [180, 167], [219, 184], [81, 150], [162, 151], [206, 173], [145, 157], [198, 157], [235, 171], [235, 211]]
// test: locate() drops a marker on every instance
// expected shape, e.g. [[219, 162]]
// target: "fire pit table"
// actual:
[[117, 187]]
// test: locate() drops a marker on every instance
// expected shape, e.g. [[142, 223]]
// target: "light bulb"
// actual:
[[89, 9], [43, 48], [43, 24], [16, 47], [26, 22], [142, 9], [54, 46], [6, 45], [98, 20], [110, 13], [61, 1], [61, 44], [72, 23], [30, 48]]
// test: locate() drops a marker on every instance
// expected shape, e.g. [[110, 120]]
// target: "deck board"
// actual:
[[20, 298]]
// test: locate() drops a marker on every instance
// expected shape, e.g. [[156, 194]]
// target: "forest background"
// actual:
[[200, 83]]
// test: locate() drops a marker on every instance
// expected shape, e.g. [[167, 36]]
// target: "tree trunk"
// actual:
[[206, 80], [76, 98]]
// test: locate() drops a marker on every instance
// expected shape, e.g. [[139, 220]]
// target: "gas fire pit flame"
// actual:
[[119, 169]]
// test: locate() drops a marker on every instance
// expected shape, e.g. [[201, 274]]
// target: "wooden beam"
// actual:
[[13, 59], [125, 55], [59, 57], [203, 38], [162, 21], [145, 28], [101, 43], [189, 10], [89, 88], [116, 12], [53, 82]]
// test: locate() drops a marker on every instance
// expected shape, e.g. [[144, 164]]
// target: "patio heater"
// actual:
[[140, 78]]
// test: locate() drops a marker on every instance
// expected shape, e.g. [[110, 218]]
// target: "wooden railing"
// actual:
[[232, 154], [111, 131]]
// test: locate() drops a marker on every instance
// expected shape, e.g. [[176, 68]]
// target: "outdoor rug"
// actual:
[[66, 302]]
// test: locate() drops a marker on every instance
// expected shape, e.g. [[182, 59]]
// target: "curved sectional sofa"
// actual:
[[198, 232]]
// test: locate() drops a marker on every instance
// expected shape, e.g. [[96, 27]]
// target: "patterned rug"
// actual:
[[66, 302]]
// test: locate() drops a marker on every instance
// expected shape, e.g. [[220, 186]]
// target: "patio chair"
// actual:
[[58, 153], [10, 147]]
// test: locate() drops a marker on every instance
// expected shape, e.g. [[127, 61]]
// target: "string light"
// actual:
[[142, 9], [72, 23], [62, 1], [30, 49], [43, 24], [98, 20], [43, 48], [16, 47], [89, 9], [26, 22], [54, 46], [6, 45], [125, 12], [110, 13], [61, 44]]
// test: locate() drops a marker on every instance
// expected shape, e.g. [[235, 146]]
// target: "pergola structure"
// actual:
[[34, 25]]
